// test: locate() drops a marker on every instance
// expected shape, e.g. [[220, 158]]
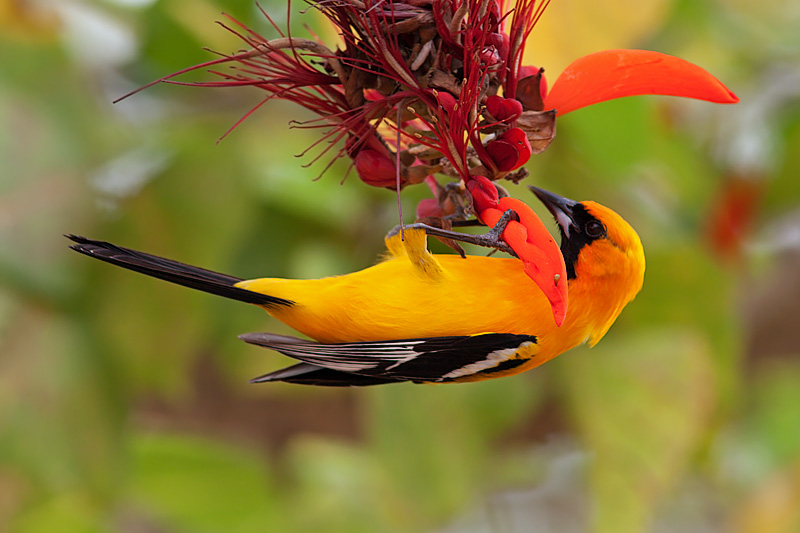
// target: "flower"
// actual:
[[617, 73], [425, 87], [510, 150]]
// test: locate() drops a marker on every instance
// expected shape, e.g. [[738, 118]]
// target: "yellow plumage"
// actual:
[[415, 294], [431, 318]]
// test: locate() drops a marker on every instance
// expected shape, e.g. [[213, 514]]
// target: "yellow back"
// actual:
[[414, 294]]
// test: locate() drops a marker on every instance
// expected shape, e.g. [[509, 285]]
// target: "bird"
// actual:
[[429, 318]]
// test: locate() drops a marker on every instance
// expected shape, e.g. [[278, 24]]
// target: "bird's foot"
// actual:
[[491, 239]]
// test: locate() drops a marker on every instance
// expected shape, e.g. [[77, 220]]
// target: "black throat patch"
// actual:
[[578, 237]]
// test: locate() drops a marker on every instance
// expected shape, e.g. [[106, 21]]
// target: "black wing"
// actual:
[[307, 374], [433, 360]]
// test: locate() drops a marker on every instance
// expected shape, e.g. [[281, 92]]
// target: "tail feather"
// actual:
[[307, 374], [173, 271]]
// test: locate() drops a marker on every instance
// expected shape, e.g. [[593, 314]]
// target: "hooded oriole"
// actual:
[[430, 318]]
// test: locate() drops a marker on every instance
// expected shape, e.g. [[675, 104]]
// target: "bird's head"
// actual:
[[600, 249]]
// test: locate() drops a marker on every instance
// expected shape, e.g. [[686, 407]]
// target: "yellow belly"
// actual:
[[394, 300]]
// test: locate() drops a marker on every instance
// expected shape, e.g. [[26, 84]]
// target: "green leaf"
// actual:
[[200, 485], [641, 404]]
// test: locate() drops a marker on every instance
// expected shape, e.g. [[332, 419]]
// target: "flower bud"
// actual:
[[375, 168], [484, 193], [429, 207], [531, 88], [510, 150], [447, 101], [489, 56], [500, 42]]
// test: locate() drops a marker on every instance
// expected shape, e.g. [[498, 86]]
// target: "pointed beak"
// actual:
[[561, 208]]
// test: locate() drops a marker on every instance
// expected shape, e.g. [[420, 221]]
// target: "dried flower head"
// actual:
[[425, 87]]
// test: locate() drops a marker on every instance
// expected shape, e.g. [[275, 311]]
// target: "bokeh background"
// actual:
[[124, 402]]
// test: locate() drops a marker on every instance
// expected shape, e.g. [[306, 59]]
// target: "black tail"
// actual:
[[172, 271]]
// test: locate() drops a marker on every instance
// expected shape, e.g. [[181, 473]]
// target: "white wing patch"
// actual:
[[350, 367], [336, 357], [492, 360], [434, 359]]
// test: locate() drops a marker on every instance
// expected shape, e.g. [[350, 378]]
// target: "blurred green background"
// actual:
[[124, 402]]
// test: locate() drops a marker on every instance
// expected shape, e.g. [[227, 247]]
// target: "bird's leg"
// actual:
[[457, 223], [491, 239]]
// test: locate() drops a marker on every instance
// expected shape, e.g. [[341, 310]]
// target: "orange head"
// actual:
[[603, 255]]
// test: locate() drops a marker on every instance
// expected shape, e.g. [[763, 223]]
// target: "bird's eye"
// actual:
[[594, 229]]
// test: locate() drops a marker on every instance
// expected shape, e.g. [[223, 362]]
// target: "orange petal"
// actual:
[[540, 255], [616, 73]]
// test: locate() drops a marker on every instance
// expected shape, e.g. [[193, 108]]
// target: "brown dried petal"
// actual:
[[529, 92], [517, 176], [439, 79], [354, 88], [539, 127], [414, 24]]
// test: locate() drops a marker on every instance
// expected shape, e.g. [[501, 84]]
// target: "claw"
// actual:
[[491, 239]]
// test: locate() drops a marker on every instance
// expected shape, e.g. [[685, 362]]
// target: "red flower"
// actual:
[[425, 87], [730, 218], [440, 84], [503, 109], [616, 73], [510, 150]]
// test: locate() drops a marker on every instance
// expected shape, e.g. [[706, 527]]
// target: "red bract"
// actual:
[[510, 150], [375, 168], [503, 109]]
